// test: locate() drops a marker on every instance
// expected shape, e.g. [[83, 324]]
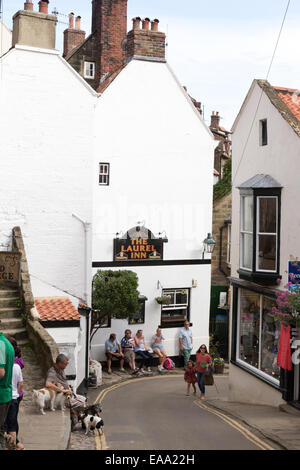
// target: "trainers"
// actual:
[[141, 370], [109, 371], [149, 369], [122, 369]]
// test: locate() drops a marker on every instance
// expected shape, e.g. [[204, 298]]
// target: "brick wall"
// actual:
[[145, 42], [221, 210], [72, 38]]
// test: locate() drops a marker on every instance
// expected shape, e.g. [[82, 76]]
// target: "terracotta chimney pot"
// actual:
[[78, 20], [28, 5], [71, 21], [136, 23], [43, 6], [154, 25], [146, 24]]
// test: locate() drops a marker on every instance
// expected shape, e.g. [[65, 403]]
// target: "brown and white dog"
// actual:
[[46, 396]]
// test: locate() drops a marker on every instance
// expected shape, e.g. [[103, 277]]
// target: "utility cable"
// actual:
[[261, 94]]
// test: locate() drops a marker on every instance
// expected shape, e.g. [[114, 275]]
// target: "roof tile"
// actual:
[[56, 308]]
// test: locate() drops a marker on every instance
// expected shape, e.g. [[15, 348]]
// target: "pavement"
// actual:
[[52, 431]]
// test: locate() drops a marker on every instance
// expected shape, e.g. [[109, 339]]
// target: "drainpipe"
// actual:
[[220, 252], [85, 312], [87, 268]]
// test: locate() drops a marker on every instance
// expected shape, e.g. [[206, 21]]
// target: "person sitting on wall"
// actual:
[[142, 351], [127, 344], [56, 374], [113, 349], [158, 348]]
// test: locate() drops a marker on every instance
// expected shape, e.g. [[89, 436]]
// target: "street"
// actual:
[[154, 413]]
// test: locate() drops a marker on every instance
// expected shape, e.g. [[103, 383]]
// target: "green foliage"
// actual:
[[224, 186], [114, 294]]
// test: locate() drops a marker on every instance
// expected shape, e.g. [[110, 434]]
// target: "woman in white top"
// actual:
[[141, 350], [158, 348]]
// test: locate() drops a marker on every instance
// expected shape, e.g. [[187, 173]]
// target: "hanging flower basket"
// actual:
[[164, 300]]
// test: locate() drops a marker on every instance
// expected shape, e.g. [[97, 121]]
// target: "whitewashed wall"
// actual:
[[5, 39], [46, 165], [161, 160]]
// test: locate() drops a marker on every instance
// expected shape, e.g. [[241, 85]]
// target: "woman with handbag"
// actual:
[[203, 364]]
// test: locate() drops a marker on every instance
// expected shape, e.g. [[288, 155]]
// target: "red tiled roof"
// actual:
[[56, 308], [291, 98]]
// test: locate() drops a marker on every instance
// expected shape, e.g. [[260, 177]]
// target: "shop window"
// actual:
[[140, 316], [178, 310], [258, 334], [259, 236], [104, 174]]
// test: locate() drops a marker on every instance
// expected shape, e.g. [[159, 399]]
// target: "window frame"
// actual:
[[174, 307], [261, 276], [104, 174], [85, 65], [258, 234], [256, 370], [263, 132]]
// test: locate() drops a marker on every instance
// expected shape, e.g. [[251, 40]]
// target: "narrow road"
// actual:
[[155, 414]]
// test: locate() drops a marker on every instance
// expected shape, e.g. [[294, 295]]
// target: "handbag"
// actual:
[[208, 378]]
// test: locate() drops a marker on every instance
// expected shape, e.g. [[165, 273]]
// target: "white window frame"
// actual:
[[105, 174], [175, 306], [87, 70], [258, 234], [244, 232], [237, 353]]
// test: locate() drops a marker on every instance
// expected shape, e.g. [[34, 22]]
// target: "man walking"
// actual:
[[186, 342], [7, 356]]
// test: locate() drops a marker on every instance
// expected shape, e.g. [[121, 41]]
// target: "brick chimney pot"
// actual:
[[28, 6], [43, 6]]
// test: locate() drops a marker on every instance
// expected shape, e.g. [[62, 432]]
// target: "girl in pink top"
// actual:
[[203, 362]]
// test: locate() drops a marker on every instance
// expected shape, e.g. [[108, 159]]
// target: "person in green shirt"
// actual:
[[7, 356]]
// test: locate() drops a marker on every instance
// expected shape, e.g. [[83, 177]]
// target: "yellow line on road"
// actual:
[[249, 435]]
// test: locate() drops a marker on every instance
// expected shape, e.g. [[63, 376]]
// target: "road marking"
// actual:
[[101, 443], [246, 433]]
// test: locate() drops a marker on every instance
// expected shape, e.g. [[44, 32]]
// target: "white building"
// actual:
[[5, 38], [265, 233], [46, 150], [153, 177]]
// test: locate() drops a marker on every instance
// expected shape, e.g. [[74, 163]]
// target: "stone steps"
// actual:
[[10, 312], [17, 333], [10, 302], [11, 323], [5, 292]]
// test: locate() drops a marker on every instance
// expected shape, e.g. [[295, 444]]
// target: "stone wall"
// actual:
[[25, 285], [221, 212]]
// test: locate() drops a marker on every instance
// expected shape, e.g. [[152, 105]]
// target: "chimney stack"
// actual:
[[109, 27], [145, 42], [73, 37], [28, 5], [34, 29], [215, 120], [136, 23], [43, 6]]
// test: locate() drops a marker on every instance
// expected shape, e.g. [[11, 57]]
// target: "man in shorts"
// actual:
[[127, 345], [113, 349], [56, 374]]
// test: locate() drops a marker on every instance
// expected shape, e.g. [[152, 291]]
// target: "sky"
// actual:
[[215, 48]]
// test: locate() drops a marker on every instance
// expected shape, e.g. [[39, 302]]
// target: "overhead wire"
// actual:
[[261, 94]]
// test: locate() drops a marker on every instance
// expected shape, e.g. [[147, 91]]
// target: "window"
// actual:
[[175, 313], [263, 132], [140, 316], [260, 232], [229, 244], [258, 334], [104, 174], [89, 70]]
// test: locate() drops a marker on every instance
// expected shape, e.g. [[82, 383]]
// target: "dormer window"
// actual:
[[89, 70], [260, 229]]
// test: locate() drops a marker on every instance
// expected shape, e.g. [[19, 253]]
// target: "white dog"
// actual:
[[93, 422], [46, 396]]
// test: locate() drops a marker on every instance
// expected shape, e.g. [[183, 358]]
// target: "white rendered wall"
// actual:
[[279, 159], [161, 172], [5, 39], [46, 164]]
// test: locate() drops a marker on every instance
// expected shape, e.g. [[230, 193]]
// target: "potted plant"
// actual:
[[164, 299], [219, 365]]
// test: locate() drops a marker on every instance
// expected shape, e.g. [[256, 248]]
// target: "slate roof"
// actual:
[[56, 308], [260, 181]]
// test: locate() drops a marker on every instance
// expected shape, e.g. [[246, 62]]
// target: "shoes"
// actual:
[[135, 371], [141, 370], [202, 397], [149, 369], [187, 395], [122, 369], [160, 367], [109, 371]]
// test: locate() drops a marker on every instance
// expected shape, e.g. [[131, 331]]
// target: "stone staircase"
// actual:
[[11, 315]]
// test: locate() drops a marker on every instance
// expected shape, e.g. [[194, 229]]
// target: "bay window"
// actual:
[[260, 231]]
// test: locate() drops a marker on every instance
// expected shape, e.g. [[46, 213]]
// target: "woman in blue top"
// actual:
[[158, 348]]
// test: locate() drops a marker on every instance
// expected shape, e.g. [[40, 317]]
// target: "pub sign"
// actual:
[[139, 244], [9, 266]]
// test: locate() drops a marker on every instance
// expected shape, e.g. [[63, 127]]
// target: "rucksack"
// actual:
[[169, 364]]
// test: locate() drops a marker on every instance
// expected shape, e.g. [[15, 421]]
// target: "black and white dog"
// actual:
[[93, 422]]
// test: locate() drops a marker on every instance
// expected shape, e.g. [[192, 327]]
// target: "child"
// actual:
[[190, 377]]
